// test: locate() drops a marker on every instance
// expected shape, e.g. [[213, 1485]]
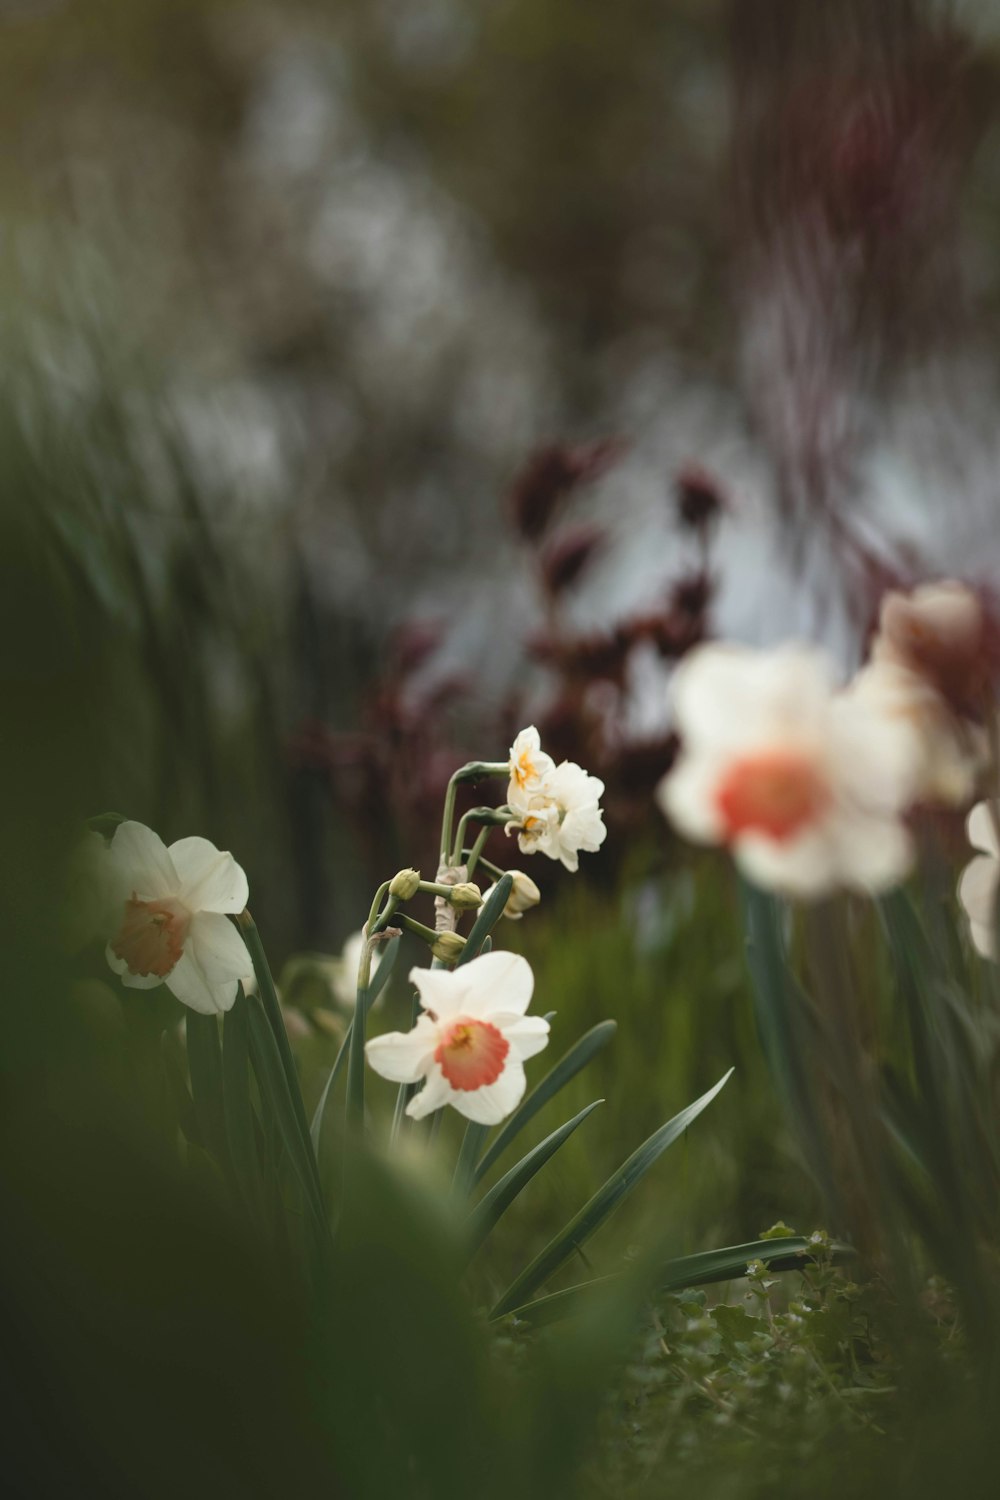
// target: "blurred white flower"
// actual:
[[528, 763], [471, 1040], [949, 750], [938, 631], [977, 888], [343, 971], [806, 786], [560, 815], [170, 924]]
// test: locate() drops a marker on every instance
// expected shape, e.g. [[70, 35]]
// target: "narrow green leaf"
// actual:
[[472, 1144], [270, 1007], [556, 1078], [489, 915], [236, 1094], [205, 1066], [708, 1266], [603, 1203], [273, 1082], [379, 981], [495, 1203]]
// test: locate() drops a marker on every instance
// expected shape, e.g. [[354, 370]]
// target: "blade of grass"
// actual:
[[379, 981], [607, 1198], [472, 1144], [567, 1067]]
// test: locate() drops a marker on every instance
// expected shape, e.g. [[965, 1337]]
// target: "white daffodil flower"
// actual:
[[528, 763], [344, 970], [804, 785], [524, 894], [560, 816], [172, 924], [977, 888], [471, 1040], [949, 751]]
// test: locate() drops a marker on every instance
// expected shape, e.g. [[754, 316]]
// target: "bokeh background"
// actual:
[[379, 377]]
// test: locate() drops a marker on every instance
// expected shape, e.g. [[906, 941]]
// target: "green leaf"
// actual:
[[236, 1094], [205, 1066], [603, 1203], [472, 1144], [270, 1007], [379, 981], [578, 1056], [273, 1082], [489, 915], [495, 1203], [708, 1266]]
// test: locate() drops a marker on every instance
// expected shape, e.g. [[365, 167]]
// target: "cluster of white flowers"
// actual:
[[809, 784], [555, 808]]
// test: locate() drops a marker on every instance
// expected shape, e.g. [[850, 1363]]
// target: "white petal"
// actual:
[[526, 1034], [435, 1092], [797, 867], [441, 990], [977, 889], [131, 981], [687, 797], [983, 940], [873, 854], [219, 950], [980, 829], [210, 878], [189, 982], [725, 695], [143, 862], [490, 1105], [404, 1056], [494, 982]]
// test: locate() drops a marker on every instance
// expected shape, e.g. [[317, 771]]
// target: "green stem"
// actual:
[[488, 815], [476, 851], [373, 910], [475, 770], [410, 924]]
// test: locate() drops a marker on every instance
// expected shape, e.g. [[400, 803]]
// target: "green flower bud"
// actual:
[[405, 885], [447, 946], [466, 896]]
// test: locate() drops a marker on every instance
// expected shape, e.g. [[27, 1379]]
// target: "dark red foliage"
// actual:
[[548, 477], [699, 497], [567, 555]]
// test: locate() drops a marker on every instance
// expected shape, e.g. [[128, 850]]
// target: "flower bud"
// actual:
[[465, 896], [404, 885], [447, 946], [524, 895]]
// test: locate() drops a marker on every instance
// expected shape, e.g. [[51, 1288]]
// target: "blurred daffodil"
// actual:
[[977, 889]]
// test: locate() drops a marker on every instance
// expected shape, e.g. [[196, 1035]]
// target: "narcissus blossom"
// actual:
[[977, 889], [938, 631], [805, 785], [524, 894], [560, 815], [949, 750], [470, 1041], [171, 922], [528, 763]]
